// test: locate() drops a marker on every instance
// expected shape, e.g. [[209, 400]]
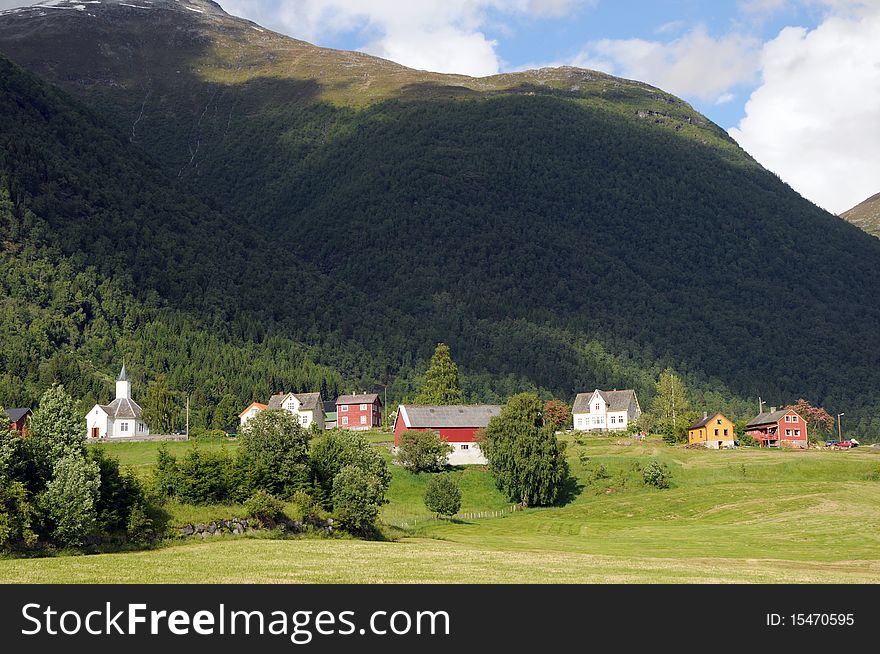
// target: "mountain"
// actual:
[[561, 229], [866, 215]]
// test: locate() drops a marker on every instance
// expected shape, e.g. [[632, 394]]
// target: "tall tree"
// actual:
[[441, 384], [819, 421], [226, 413], [526, 460], [160, 410], [57, 429], [671, 406], [557, 413]]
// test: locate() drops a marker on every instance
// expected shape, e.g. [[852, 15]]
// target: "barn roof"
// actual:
[[615, 400], [363, 398], [455, 416]]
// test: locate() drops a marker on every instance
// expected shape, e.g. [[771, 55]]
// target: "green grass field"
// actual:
[[744, 516]]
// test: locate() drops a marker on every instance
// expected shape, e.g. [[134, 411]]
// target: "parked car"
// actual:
[[831, 443]]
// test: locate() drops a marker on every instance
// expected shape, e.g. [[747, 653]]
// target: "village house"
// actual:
[[18, 420], [359, 412], [122, 418], [330, 415], [251, 412], [457, 425], [778, 428], [605, 410], [715, 432]]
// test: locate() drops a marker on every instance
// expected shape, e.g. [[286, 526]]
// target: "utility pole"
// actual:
[[839, 430], [761, 404]]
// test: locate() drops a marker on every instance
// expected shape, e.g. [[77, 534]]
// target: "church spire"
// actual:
[[123, 374]]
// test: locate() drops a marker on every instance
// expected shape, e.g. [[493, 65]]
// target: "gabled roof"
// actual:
[[307, 401], [455, 416], [17, 414], [261, 407], [705, 421], [122, 408], [770, 417], [363, 398], [614, 400]]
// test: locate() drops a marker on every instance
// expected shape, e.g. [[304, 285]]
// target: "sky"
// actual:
[[795, 82]]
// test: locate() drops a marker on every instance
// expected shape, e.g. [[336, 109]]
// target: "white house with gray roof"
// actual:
[[307, 407], [122, 418], [605, 410]]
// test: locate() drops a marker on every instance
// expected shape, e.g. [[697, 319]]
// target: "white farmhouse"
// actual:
[[605, 410], [308, 407], [122, 418]]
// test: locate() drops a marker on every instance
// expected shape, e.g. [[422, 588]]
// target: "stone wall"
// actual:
[[236, 526]]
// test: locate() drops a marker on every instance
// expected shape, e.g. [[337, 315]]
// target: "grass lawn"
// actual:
[[744, 516]]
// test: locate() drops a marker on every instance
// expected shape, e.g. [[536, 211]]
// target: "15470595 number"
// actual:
[[822, 619]]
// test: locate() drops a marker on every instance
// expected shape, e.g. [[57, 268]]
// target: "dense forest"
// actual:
[[558, 240]]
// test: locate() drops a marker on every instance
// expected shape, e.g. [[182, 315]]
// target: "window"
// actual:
[[797, 432], [465, 446], [363, 420], [344, 420], [716, 432], [718, 422], [123, 426], [305, 420], [613, 420], [344, 408], [788, 432], [364, 407], [725, 432], [597, 406]]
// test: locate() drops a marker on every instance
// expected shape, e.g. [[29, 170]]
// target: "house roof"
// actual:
[[770, 417], [17, 414], [363, 398], [123, 408], [461, 416], [261, 407], [704, 421], [614, 400], [307, 401]]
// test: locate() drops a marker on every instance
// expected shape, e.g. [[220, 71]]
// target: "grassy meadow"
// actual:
[[742, 516]]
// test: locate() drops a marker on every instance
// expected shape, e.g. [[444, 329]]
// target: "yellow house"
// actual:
[[713, 431]]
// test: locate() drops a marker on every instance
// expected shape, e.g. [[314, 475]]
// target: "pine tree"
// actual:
[[441, 381]]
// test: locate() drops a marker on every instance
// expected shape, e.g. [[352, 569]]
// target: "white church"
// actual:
[[122, 418]]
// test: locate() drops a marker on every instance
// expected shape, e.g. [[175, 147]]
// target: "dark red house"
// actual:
[[456, 425], [778, 428], [18, 420], [359, 412]]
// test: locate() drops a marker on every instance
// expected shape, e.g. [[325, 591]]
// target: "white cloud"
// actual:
[[815, 118], [438, 35], [694, 65]]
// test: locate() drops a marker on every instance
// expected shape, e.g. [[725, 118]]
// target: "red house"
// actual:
[[359, 412], [782, 428], [18, 420], [457, 425]]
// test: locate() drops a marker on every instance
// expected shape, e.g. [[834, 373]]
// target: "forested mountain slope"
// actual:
[[561, 229]]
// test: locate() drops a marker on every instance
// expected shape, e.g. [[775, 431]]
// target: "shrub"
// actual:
[[423, 451], [558, 414], [356, 496], [16, 515], [118, 494], [340, 448], [165, 473], [443, 495], [274, 453], [71, 498], [207, 435], [204, 477], [656, 474], [264, 507]]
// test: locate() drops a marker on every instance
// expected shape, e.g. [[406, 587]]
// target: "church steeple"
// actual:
[[123, 385]]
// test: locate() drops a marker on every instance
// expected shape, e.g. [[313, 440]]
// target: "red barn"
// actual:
[[359, 412], [456, 424], [18, 420], [782, 428]]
